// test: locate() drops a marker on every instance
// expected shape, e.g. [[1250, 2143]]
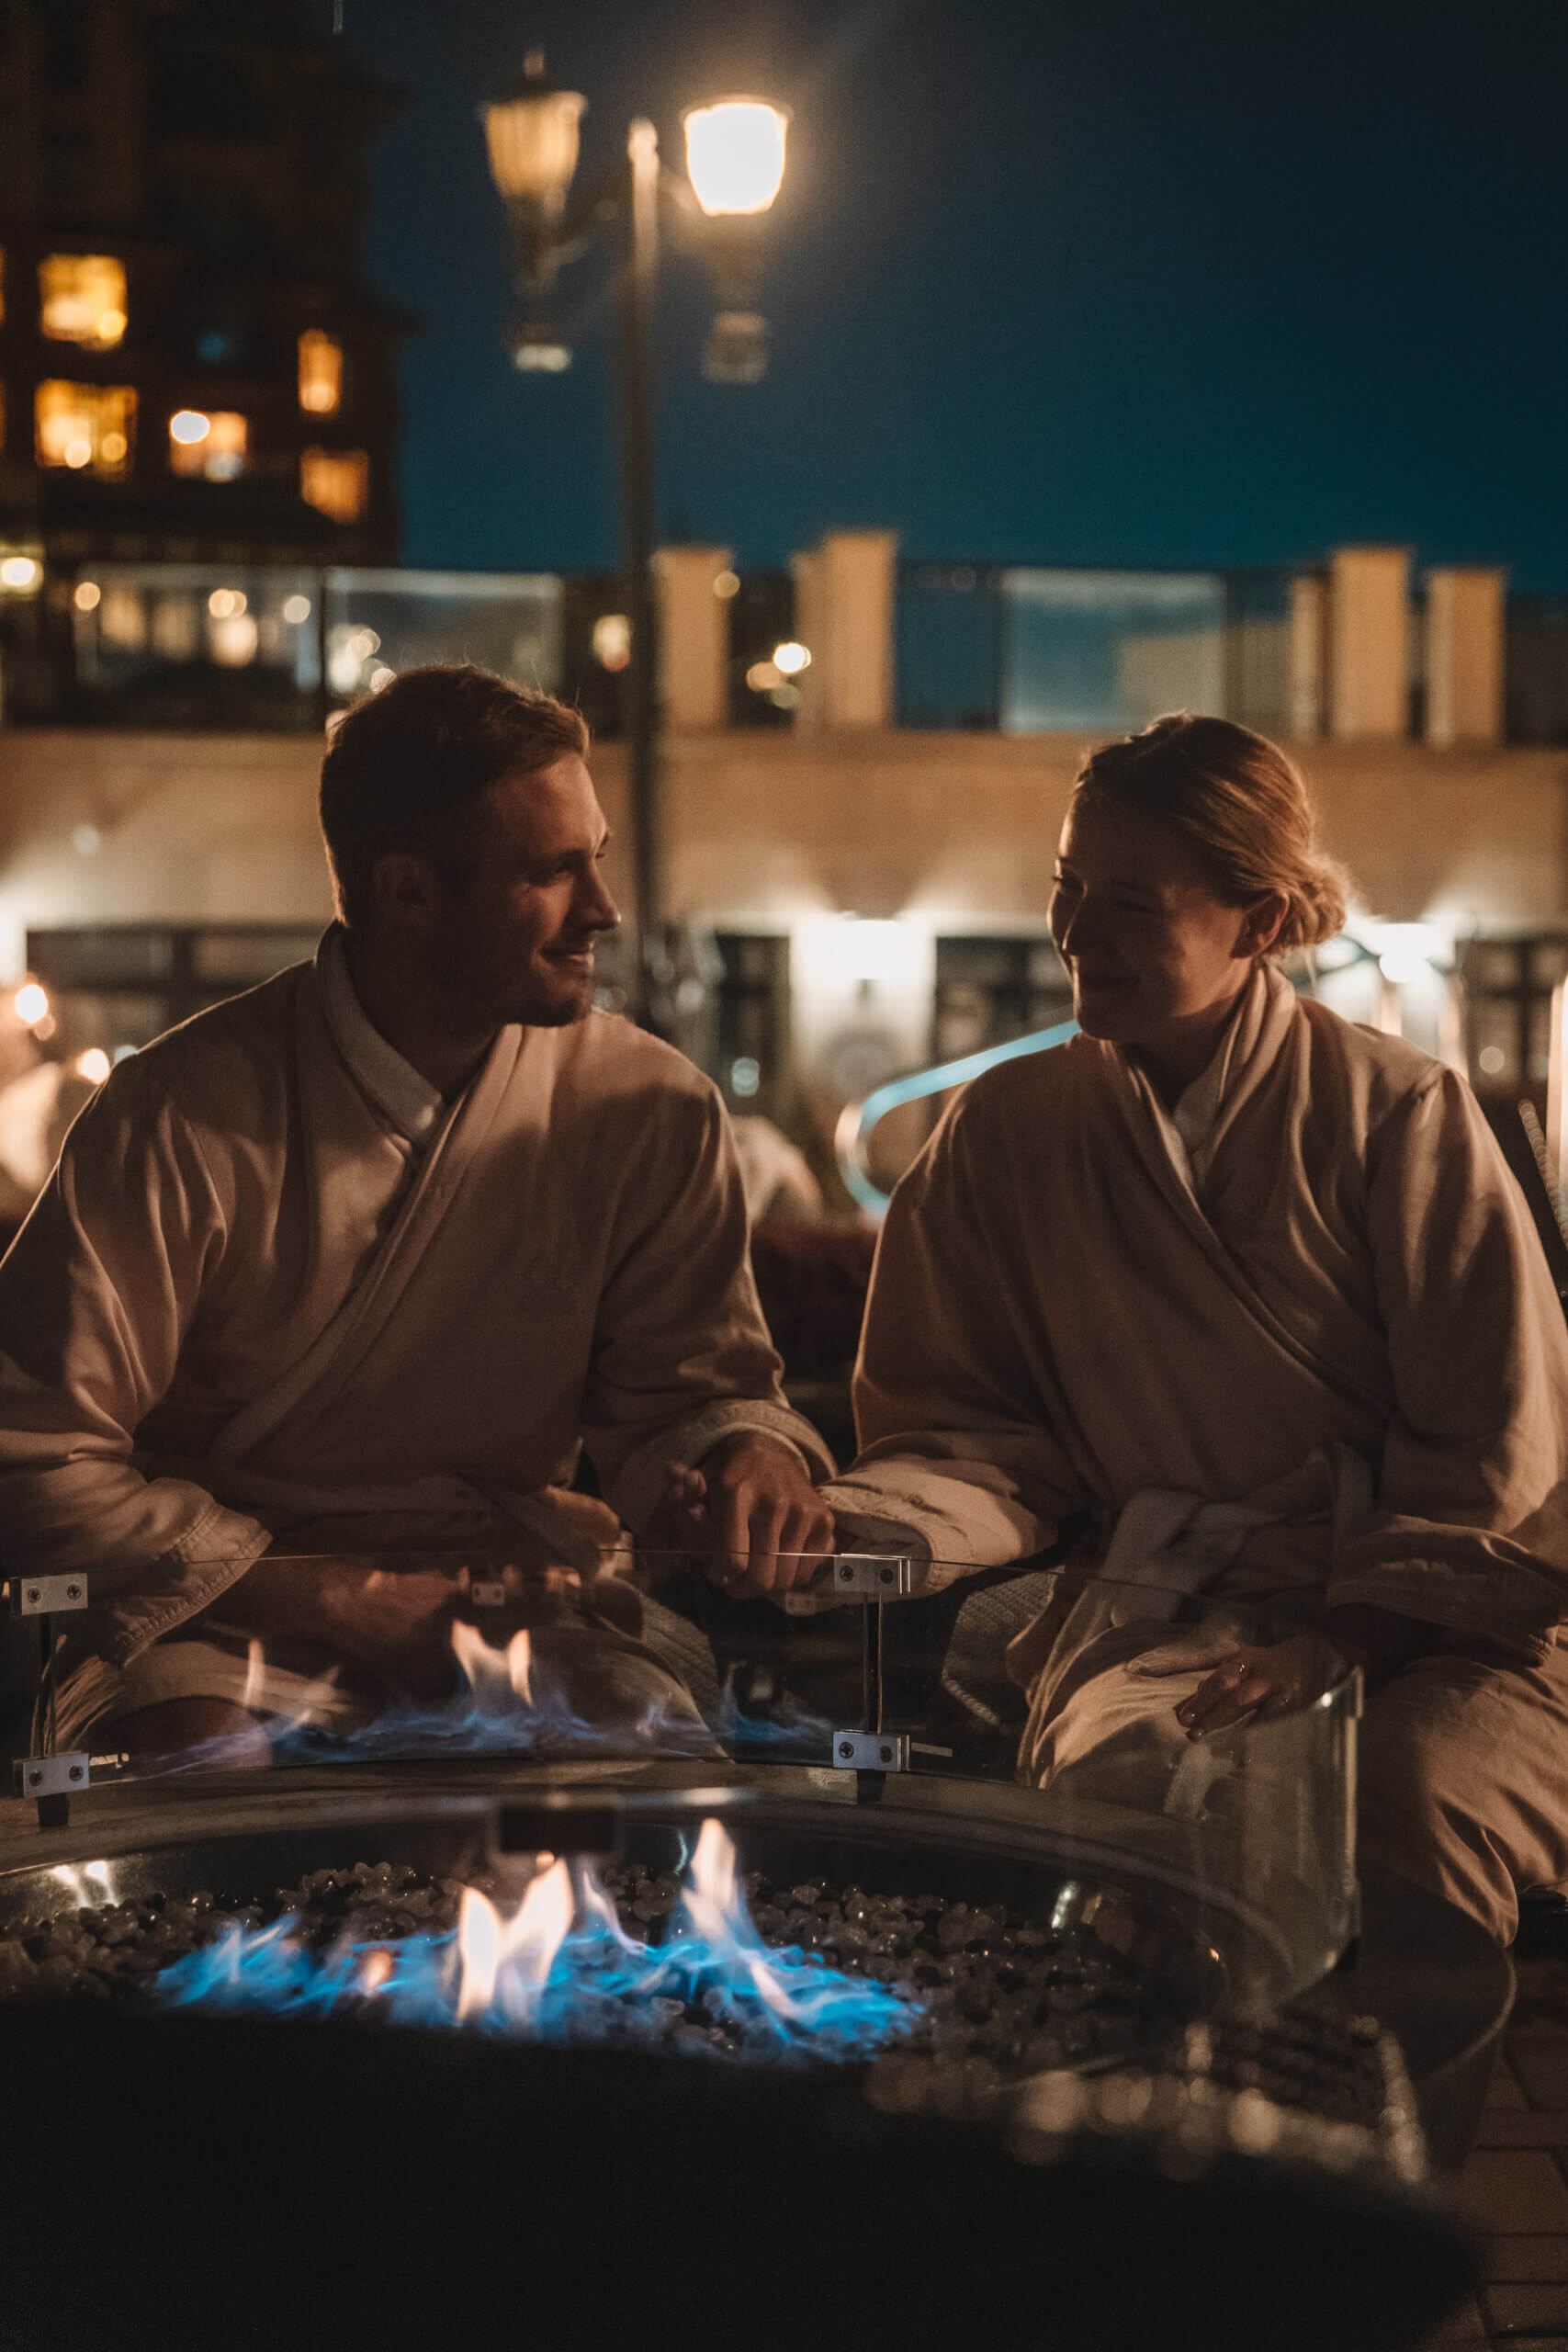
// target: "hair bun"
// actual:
[[1240, 803]]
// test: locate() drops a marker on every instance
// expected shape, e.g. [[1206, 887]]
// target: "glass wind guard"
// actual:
[[1048, 1709]]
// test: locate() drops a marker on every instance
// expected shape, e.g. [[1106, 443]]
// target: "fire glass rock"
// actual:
[[996, 1992]]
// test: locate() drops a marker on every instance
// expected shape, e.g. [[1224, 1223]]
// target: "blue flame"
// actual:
[[602, 1986], [465, 1725]]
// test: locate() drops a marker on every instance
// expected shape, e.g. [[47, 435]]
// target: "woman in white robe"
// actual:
[[1255, 1287]]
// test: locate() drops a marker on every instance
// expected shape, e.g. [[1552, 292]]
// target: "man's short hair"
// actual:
[[406, 766]]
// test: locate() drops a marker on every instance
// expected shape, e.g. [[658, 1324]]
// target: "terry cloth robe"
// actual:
[[276, 1287], [1323, 1306]]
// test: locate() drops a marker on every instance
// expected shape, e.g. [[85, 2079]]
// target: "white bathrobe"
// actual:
[[277, 1287], [1313, 1296]]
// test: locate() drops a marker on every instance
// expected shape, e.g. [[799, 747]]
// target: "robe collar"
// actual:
[[1192, 1131], [414, 1108]]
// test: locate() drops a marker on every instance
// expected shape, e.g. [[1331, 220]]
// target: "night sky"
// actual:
[[1103, 281]]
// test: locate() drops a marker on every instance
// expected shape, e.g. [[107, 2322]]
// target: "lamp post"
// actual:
[[735, 159]]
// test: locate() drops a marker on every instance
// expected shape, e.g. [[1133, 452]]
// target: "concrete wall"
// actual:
[[763, 829], [880, 824], [103, 827], [918, 836]]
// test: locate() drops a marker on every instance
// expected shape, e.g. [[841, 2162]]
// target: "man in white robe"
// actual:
[[359, 1261]]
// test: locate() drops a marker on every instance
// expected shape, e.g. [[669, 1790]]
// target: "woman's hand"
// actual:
[[1256, 1680]]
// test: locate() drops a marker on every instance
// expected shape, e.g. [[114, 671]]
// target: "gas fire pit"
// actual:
[[380, 2049], [977, 2158]]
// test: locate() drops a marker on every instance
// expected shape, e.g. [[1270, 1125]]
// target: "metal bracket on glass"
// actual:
[[49, 1779], [873, 1575], [46, 1596], [870, 1751], [50, 1776]]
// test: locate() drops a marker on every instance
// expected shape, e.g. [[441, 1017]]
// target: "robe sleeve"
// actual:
[[958, 1460], [1470, 1525], [96, 1293], [682, 1357]]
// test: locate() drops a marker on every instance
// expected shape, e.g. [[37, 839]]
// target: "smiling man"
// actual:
[[359, 1261]]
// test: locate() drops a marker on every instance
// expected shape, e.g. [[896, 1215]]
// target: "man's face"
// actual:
[[514, 939]]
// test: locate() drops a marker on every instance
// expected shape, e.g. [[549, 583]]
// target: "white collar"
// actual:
[[413, 1106], [1190, 1130]]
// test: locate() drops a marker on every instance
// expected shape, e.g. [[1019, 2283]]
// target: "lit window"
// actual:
[[337, 480], [81, 298], [208, 445], [84, 425], [321, 372]]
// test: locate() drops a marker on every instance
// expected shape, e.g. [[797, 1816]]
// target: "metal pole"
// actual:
[[637, 552]]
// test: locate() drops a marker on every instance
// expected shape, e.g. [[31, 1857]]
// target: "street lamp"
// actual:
[[735, 157]]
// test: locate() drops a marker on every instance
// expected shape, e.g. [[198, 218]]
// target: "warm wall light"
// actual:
[[232, 639], [1407, 951], [321, 372], [854, 951], [791, 658], [735, 154], [88, 596], [612, 640], [78, 425], [82, 300], [94, 1065], [30, 1004], [20, 573], [187, 428], [337, 481]]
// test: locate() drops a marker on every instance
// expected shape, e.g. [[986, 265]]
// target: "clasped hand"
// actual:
[[752, 1515]]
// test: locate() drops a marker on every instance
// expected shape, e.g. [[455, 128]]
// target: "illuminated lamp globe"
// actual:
[[735, 154], [188, 424], [532, 133]]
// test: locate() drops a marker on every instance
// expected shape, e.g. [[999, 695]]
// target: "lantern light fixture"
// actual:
[[532, 133], [735, 154]]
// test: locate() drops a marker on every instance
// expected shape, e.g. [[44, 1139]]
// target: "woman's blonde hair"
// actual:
[[1241, 804]]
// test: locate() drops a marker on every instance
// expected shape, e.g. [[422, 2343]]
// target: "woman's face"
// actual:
[[1154, 956]]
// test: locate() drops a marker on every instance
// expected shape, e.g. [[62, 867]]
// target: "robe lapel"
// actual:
[[1262, 1052], [332, 1356]]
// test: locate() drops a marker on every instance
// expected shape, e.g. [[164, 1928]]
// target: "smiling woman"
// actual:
[[1254, 1290], [1188, 852]]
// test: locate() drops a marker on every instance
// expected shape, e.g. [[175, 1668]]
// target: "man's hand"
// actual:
[[396, 1622], [752, 1514]]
